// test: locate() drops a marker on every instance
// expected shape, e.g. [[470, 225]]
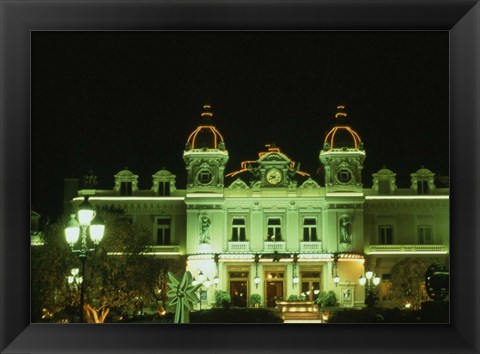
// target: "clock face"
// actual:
[[274, 176]]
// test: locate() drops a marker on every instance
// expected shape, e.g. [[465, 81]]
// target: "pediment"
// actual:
[[274, 157], [238, 184], [309, 184]]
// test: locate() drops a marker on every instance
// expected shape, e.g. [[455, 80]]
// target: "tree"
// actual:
[[118, 274], [408, 281], [50, 265]]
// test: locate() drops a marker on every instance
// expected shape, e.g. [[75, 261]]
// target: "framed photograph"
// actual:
[[351, 136]]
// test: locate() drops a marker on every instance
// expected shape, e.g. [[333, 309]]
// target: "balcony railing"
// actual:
[[163, 249], [310, 246], [239, 246], [408, 249], [278, 246]]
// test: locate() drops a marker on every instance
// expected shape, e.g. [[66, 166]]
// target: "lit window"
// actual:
[[125, 188], [238, 230], [425, 235], [386, 287], [163, 231], [385, 234], [310, 229], [274, 229]]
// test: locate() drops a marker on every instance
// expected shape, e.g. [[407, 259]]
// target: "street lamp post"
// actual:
[[369, 281], [205, 282], [88, 223]]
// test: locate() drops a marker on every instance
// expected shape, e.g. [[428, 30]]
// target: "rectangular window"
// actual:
[[163, 231], [422, 187], [274, 229], [164, 189], [238, 230], [385, 234], [310, 230], [383, 187], [125, 188], [425, 235]]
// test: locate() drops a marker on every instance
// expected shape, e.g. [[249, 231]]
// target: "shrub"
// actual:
[[235, 315], [325, 299], [222, 299], [375, 315], [255, 299], [297, 298]]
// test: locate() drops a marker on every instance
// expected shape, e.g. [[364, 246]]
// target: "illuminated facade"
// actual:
[[271, 229]]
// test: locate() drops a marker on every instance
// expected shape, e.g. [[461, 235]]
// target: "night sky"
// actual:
[[107, 100]]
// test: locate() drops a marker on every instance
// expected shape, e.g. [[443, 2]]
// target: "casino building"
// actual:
[[269, 228]]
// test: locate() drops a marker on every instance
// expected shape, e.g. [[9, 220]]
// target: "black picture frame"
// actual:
[[18, 18]]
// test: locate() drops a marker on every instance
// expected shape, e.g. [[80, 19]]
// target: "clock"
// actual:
[[274, 176]]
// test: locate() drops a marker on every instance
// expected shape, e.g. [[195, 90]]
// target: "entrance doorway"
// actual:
[[238, 293], [310, 285], [238, 288], [274, 292]]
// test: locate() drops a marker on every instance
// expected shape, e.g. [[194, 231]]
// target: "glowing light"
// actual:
[[407, 197], [331, 135], [72, 231], [132, 198], [376, 281], [362, 280], [246, 165], [408, 305], [216, 134], [369, 274]]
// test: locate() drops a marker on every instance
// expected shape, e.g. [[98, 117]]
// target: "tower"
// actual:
[[342, 157], [205, 156]]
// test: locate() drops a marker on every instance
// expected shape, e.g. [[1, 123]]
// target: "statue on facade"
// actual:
[[345, 229], [204, 229]]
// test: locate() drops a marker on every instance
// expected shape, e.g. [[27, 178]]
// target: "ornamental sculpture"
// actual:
[[205, 229], [345, 229], [182, 295]]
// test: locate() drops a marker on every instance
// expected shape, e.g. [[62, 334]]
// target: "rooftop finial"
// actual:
[[207, 111], [341, 113]]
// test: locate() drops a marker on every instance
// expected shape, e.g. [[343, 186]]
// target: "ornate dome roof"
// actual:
[[125, 173], [424, 171], [342, 136], [206, 135], [162, 172], [385, 171]]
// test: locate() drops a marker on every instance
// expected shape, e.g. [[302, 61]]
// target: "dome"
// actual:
[[206, 135], [424, 171], [125, 173], [385, 172], [342, 136], [162, 172]]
